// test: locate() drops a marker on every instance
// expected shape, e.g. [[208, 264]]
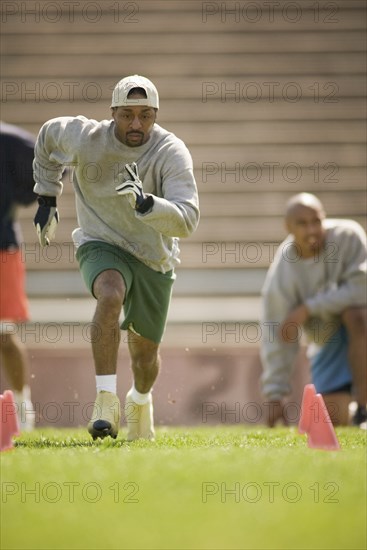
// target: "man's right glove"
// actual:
[[133, 190], [46, 219]]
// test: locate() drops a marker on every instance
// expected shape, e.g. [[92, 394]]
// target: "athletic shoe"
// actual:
[[106, 416], [359, 417], [139, 419], [25, 411]]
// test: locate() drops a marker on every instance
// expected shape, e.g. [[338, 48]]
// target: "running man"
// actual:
[[136, 195]]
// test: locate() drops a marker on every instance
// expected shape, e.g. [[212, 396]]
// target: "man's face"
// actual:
[[134, 124], [305, 224]]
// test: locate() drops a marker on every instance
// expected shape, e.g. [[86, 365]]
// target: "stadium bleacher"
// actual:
[[269, 102]]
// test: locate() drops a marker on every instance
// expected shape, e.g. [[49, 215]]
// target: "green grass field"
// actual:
[[193, 488]]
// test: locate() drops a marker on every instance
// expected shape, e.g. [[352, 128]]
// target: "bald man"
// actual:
[[316, 287]]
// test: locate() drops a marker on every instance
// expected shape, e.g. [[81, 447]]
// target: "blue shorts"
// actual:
[[330, 368]]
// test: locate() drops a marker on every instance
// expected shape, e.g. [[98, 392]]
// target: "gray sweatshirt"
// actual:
[[327, 284], [97, 157]]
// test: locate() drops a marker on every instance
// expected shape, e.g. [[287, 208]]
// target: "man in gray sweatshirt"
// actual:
[[317, 286], [135, 197]]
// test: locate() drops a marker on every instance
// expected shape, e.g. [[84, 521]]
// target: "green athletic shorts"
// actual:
[[148, 292]]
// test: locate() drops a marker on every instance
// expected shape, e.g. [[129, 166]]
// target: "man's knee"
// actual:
[[111, 297], [109, 290], [355, 320]]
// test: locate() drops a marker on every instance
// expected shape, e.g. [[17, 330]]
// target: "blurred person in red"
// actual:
[[16, 187]]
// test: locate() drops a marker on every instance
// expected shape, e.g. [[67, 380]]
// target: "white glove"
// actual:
[[133, 189]]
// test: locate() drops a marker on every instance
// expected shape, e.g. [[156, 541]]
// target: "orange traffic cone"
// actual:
[[308, 399], [9, 423], [315, 421], [321, 434]]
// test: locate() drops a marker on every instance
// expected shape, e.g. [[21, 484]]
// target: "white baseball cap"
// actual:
[[122, 89]]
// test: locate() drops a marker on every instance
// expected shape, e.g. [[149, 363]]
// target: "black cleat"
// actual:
[[106, 416], [101, 429]]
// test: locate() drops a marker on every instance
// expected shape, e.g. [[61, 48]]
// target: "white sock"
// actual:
[[24, 395], [140, 398], [106, 382]]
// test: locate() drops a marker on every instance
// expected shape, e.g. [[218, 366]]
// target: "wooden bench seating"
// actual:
[[267, 110]]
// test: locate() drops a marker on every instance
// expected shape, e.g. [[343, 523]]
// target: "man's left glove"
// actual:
[[133, 190], [46, 219]]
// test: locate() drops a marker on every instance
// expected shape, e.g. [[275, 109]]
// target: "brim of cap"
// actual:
[[133, 102]]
